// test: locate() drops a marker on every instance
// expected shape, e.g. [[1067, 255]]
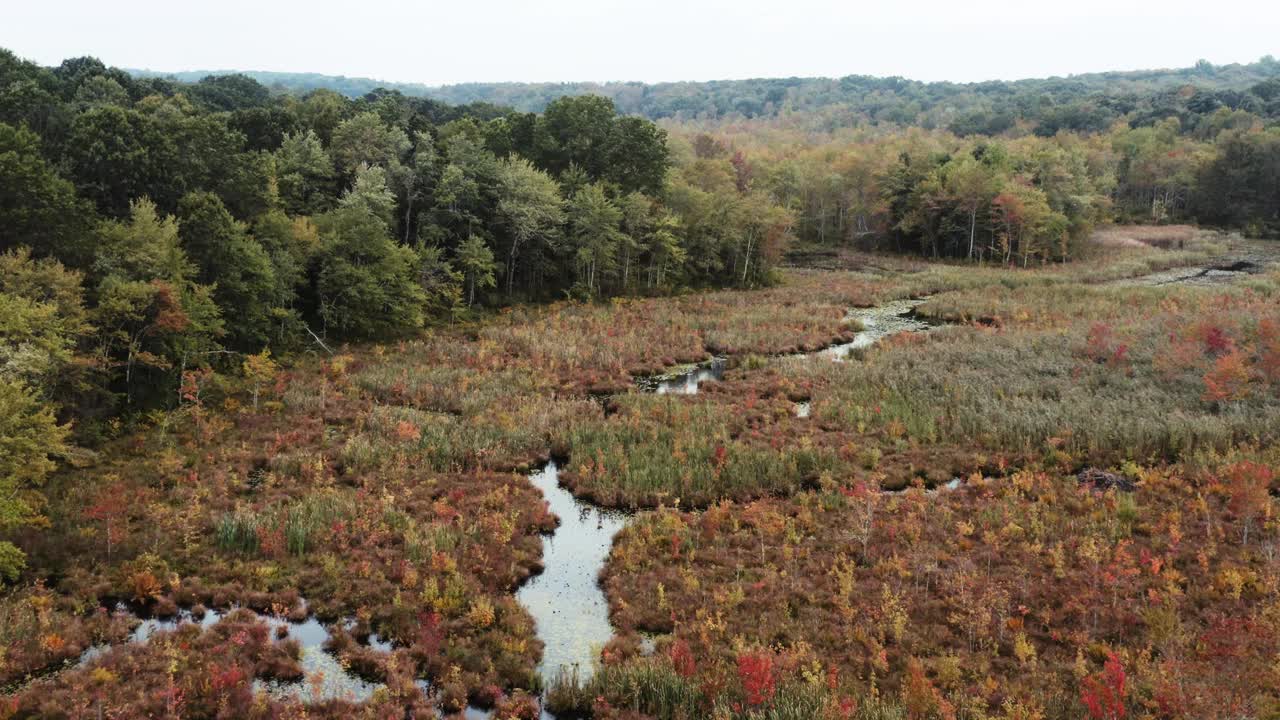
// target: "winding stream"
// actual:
[[878, 322], [566, 601], [686, 379], [567, 604], [571, 611]]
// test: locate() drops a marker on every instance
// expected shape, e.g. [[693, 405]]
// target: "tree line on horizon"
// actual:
[[1085, 102]]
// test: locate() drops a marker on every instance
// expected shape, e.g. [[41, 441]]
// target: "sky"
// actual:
[[648, 40]]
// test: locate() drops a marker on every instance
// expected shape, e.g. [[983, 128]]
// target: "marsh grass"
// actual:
[[1011, 582], [652, 686], [664, 448], [244, 531], [1035, 384]]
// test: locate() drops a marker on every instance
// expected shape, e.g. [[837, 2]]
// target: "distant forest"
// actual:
[[1089, 102]]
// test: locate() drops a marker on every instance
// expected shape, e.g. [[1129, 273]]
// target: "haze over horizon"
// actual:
[[581, 40]]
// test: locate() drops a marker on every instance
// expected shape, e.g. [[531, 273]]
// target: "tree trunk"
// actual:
[[626, 269], [511, 270], [973, 226], [408, 213]]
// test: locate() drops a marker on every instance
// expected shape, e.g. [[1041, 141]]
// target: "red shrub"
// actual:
[[755, 671], [1249, 484], [1103, 693], [682, 659], [1216, 340], [1269, 349]]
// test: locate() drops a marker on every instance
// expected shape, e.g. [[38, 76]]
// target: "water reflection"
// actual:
[[324, 677], [686, 382], [570, 608]]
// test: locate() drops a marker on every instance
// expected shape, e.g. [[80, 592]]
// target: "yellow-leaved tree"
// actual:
[[29, 435]]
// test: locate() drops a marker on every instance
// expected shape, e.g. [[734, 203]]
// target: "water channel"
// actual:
[[565, 600]]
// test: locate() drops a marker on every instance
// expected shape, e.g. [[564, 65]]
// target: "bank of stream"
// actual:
[[1242, 259]]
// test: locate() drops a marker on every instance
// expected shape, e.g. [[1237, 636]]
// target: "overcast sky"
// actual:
[[649, 40]]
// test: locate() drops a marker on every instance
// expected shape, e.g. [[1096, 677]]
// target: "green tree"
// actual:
[[366, 285], [531, 212], [146, 247], [322, 110], [638, 220], [42, 319], [150, 314], [231, 92], [38, 208], [291, 243], [457, 204], [441, 284], [1240, 186], [29, 436], [703, 222], [594, 235], [234, 263], [366, 140], [370, 193], [115, 155], [1155, 171], [208, 155], [637, 155], [28, 95], [101, 90], [465, 196], [923, 211], [970, 185], [575, 130], [416, 181], [765, 231], [264, 128], [476, 260], [304, 174], [665, 252]]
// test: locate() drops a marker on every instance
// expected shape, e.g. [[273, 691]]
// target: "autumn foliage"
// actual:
[[1103, 694]]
